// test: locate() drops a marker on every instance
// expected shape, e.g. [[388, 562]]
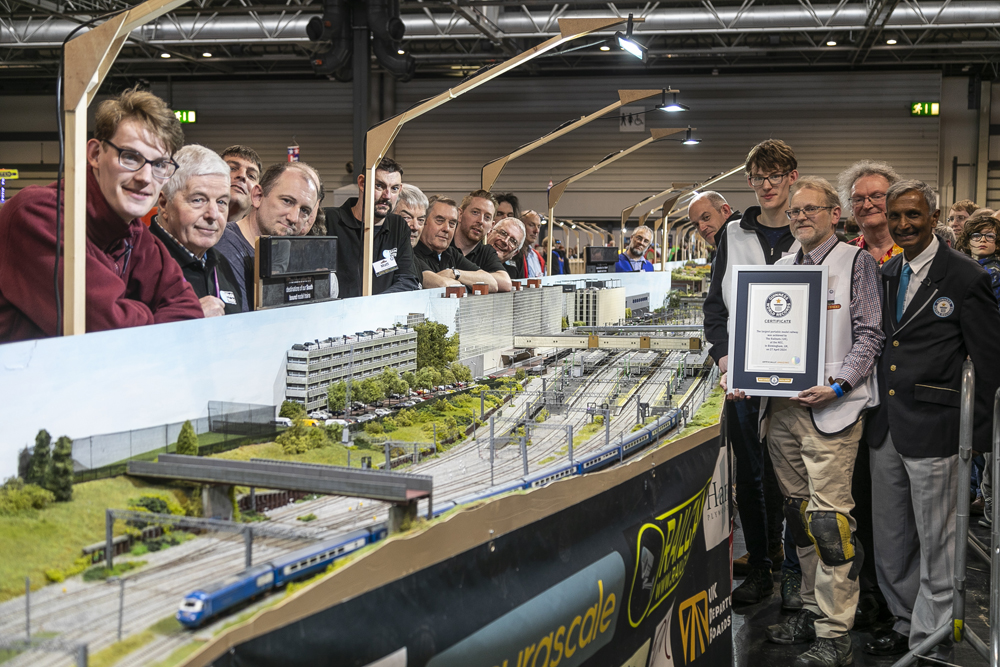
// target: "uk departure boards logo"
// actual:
[[778, 304]]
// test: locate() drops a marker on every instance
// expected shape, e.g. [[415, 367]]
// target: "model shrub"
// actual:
[[374, 428], [41, 459], [60, 479], [187, 440], [17, 497], [300, 438], [292, 410]]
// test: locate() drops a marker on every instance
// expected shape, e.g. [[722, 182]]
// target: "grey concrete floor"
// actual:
[[751, 648]]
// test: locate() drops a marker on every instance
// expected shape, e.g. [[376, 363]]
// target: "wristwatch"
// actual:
[[458, 274]]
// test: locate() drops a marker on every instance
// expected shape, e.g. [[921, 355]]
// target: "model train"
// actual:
[[206, 603]]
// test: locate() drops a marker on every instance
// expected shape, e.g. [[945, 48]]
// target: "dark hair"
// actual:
[[389, 165], [244, 152], [511, 199], [274, 172], [143, 107], [976, 223], [771, 154]]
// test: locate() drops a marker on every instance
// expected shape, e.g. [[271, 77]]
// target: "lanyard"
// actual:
[[215, 274]]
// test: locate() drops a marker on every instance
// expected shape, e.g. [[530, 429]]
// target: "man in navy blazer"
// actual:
[[938, 309]]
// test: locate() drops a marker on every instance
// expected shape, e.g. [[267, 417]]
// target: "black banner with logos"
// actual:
[[636, 574]]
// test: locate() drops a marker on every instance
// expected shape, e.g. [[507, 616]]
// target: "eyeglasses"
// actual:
[[163, 168], [977, 236], [809, 211], [508, 240], [958, 218], [876, 199], [773, 179]]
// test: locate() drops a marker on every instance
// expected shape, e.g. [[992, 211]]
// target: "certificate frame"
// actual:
[[768, 329]]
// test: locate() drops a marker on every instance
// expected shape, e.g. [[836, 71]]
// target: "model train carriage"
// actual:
[[203, 604], [314, 559]]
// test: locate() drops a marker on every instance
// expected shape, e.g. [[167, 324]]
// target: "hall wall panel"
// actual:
[[830, 120]]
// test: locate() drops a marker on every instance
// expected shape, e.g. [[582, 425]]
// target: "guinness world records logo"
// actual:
[[778, 304]]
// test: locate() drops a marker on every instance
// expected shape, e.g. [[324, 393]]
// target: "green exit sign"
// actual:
[[191, 116], [916, 109]]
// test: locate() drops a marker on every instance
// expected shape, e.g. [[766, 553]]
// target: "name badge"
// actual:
[[384, 266], [228, 297]]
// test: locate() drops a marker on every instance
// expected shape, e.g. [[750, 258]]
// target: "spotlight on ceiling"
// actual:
[[831, 43], [401, 52], [671, 106], [206, 55], [890, 41], [605, 47], [164, 55], [626, 43], [689, 140]]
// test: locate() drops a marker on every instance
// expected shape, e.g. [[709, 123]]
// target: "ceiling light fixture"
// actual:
[[206, 55], [831, 43], [164, 55], [890, 42], [671, 106], [605, 47], [626, 43], [689, 140]]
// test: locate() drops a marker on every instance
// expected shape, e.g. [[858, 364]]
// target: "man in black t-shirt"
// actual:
[[475, 220], [392, 256], [439, 263]]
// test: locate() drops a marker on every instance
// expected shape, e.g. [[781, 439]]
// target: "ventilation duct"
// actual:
[[387, 31], [334, 26]]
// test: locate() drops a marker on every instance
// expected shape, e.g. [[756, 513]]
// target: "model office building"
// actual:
[[314, 366]]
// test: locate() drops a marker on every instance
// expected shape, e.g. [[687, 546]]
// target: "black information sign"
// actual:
[[300, 289]]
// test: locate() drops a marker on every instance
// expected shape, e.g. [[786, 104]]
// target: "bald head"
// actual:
[[709, 210]]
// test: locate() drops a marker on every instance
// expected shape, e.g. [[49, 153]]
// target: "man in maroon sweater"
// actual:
[[131, 278]]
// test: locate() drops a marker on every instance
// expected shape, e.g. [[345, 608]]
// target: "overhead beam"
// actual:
[[608, 342]]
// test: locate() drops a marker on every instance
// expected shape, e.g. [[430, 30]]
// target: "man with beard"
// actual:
[[193, 206], [281, 204], [634, 257], [474, 223], [244, 173], [412, 208], [392, 254], [507, 237], [439, 262]]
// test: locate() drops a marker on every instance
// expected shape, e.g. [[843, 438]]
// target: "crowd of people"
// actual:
[[909, 299], [850, 488]]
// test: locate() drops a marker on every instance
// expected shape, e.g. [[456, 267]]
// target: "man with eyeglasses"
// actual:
[[938, 311], [959, 213], [634, 257], [862, 187], [282, 204], [813, 437], [761, 236], [475, 219], [507, 237], [131, 278]]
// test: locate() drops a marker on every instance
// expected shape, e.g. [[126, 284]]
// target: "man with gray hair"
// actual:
[[938, 310], [634, 257], [412, 208], [507, 237], [862, 188], [710, 211], [193, 206]]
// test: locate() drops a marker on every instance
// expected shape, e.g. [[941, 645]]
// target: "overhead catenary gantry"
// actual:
[[608, 342]]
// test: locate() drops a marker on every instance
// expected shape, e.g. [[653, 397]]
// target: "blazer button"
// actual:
[[893, 367], [892, 392], [895, 343]]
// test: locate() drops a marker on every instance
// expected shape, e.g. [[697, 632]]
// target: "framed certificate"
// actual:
[[777, 329]]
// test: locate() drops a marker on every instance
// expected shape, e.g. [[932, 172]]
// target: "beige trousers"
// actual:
[[819, 468]]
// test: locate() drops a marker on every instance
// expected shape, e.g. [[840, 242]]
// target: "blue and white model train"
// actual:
[[206, 603]]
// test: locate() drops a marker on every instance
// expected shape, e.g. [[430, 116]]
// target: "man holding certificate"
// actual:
[[813, 437]]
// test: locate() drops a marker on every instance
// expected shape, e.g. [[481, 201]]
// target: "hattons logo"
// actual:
[[778, 304], [663, 547], [702, 620]]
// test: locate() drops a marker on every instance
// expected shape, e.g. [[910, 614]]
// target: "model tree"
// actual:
[[187, 440], [336, 396], [409, 378], [367, 391], [38, 468], [435, 348], [461, 371], [292, 410], [61, 472]]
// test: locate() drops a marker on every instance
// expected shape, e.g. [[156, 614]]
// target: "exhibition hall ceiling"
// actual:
[[269, 38]]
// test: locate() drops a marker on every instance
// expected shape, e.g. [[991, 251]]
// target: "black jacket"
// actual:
[[203, 278], [952, 314], [391, 240], [426, 259], [716, 313]]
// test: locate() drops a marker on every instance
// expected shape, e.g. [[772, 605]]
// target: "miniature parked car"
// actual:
[[382, 412], [282, 421]]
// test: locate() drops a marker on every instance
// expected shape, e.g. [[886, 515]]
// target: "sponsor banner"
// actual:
[[630, 574]]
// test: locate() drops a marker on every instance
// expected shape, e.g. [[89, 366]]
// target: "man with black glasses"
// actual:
[[761, 236], [131, 278]]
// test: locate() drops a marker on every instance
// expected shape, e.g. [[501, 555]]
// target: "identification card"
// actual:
[[228, 297], [384, 266]]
